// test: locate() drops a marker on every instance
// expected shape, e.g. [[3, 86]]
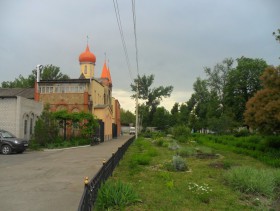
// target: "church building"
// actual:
[[87, 93]]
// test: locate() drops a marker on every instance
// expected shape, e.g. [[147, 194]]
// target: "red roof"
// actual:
[[106, 73]]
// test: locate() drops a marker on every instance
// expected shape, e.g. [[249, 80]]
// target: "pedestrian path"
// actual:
[[53, 179]]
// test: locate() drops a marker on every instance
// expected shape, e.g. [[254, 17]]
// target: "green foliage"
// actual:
[[181, 130], [243, 83], [241, 133], [161, 187], [272, 141], [161, 118], [46, 129], [254, 146], [262, 110], [201, 191], [151, 96], [141, 159], [251, 180], [127, 117], [173, 145], [277, 35], [49, 72], [115, 195], [178, 164], [186, 151]]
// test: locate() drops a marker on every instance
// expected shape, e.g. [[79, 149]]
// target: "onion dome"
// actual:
[[87, 56]]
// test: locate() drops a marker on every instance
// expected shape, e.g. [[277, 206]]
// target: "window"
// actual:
[[31, 126], [85, 69], [25, 127]]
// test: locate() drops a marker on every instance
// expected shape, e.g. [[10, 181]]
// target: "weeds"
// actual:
[[252, 181], [115, 195]]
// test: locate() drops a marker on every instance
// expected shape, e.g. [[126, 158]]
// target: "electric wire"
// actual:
[[118, 17]]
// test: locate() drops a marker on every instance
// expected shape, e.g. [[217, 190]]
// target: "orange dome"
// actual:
[[87, 56]]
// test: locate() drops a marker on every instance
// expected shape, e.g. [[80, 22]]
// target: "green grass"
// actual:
[[160, 189], [115, 195], [259, 147]]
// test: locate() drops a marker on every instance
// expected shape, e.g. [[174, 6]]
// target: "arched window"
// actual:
[[85, 69]]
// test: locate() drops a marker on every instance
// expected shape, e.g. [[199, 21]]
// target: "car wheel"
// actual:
[[6, 149]]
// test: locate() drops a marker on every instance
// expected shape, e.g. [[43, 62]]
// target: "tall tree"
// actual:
[[49, 72], [243, 83], [152, 96], [263, 110], [174, 117], [161, 118], [217, 78]]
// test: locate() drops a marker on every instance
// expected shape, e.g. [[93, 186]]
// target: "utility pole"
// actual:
[[137, 95]]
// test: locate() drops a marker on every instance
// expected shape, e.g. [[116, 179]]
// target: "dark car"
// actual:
[[10, 143]]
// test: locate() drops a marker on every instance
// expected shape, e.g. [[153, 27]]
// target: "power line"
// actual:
[[118, 17]]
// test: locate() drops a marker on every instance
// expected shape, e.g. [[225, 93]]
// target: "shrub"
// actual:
[[115, 195], [251, 180], [173, 146], [181, 130], [179, 163], [186, 151], [273, 142], [242, 132], [159, 142], [141, 159]]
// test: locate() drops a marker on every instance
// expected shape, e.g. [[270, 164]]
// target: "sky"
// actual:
[[176, 39]]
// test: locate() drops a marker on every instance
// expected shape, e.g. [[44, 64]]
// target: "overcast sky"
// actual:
[[176, 38]]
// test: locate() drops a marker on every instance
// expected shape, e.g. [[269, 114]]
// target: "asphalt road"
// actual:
[[50, 180]]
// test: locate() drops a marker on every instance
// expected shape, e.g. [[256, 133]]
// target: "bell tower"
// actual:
[[87, 63]]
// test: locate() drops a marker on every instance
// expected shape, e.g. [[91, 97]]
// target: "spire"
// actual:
[[106, 74]]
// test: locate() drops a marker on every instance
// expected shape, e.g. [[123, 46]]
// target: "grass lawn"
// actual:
[[202, 186]]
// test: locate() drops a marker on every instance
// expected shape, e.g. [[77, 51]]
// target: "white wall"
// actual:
[[17, 111]]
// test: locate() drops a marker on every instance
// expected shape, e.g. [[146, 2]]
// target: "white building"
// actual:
[[19, 111]]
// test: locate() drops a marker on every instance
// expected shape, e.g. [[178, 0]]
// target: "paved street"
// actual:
[[50, 180]]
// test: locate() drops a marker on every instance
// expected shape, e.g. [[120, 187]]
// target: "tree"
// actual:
[[161, 119], [49, 72], [243, 82], [263, 109], [174, 117], [152, 96], [217, 78], [277, 35], [46, 128], [200, 98], [127, 117]]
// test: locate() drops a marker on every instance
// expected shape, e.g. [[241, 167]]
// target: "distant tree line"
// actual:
[[49, 72], [246, 95]]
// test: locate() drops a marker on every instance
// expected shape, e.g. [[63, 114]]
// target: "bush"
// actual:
[[251, 180], [115, 195], [173, 146], [186, 151], [273, 142], [181, 130], [178, 163], [141, 159], [242, 133]]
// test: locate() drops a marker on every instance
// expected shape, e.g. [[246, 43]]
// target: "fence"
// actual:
[[90, 192]]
